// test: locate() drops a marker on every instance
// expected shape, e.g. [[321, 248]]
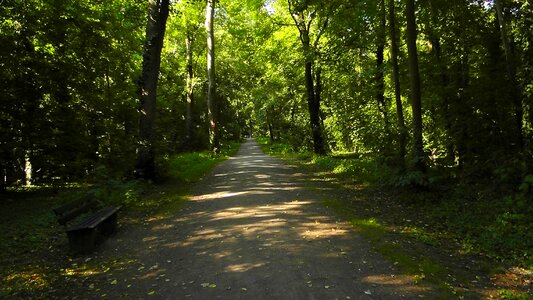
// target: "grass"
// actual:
[[362, 170], [460, 220], [34, 256]]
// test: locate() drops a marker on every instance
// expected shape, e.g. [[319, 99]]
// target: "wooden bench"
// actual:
[[84, 234]]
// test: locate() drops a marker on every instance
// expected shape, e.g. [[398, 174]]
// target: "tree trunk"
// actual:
[[212, 107], [318, 100], [380, 78], [464, 151], [314, 110], [270, 130], [402, 142], [312, 103], [434, 39], [516, 91], [414, 76], [155, 31], [189, 121]]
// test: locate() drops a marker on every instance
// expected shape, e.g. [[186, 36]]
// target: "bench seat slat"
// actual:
[[70, 211], [95, 219]]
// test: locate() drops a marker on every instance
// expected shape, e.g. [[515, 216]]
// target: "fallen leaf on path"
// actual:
[[114, 282], [244, 289], [368, 292], [151, 293], [209, 285]]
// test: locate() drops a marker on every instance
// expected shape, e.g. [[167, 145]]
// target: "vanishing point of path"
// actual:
[[251, 231]]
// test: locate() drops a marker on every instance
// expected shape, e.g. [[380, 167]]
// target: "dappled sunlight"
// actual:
[[262, 176], [153, 273], [163, 226], [234, 173], [217, 195], [150, 238], [318, 230], [243, 267], [28, 279], [406, 282]]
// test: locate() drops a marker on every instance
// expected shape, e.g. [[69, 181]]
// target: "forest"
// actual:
[[431, 98]]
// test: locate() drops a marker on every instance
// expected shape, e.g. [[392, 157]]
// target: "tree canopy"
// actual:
[[320, 75]]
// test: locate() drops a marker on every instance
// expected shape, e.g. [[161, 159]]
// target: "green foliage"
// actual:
[[411, 179], [511, 295], [192, 166]]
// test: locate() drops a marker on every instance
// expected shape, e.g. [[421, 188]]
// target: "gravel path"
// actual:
[[251, 231]]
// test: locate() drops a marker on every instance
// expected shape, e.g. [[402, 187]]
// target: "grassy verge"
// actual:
[[420, 231], [34, 256]]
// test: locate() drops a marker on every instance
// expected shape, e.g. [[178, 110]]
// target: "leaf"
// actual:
[[212, 285], [114, 282], [205, 284], [368, 292], [151, 293]]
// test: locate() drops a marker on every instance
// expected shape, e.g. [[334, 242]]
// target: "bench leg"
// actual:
[[109, 226], [82, 240]]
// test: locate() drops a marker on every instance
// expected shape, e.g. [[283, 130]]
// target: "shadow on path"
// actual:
[[250, 231]]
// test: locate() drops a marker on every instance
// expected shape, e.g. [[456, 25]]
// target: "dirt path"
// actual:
[[251, 231]]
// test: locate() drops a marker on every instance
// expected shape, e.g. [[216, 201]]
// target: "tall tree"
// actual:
[[189, 101], [443, 78], [158, 11], [402, 142], [414, 77], [212, 105], [303, 19], [380, 70], [516, 90]]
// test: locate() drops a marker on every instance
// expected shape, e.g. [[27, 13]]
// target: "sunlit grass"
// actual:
[[362, 170]]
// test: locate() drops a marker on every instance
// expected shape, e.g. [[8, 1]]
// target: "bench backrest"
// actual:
[[72, 210]]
